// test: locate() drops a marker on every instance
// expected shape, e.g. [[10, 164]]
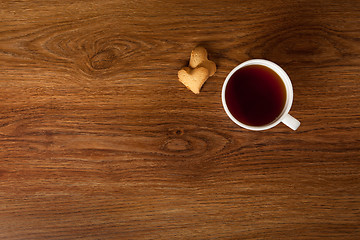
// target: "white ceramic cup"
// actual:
[[284, 117]]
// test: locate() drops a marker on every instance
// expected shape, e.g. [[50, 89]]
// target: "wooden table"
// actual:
[[98, 139]]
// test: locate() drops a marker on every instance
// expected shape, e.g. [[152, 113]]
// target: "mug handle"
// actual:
[[291, 122]]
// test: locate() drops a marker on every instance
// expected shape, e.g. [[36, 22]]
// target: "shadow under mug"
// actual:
[[284, 116]]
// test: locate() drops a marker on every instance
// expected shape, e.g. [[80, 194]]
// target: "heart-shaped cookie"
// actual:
[[193, 79], [199, 58]]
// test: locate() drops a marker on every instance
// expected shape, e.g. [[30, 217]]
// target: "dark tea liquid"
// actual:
[[255, 95]]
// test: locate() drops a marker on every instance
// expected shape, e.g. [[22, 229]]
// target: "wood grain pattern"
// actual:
[[98, 139]]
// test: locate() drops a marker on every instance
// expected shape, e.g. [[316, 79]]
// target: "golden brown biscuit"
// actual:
[[193, 79], [199, 58]]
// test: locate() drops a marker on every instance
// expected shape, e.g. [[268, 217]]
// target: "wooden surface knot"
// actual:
[[104, 59], [176, 144]]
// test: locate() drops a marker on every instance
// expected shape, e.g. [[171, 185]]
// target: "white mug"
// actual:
[[284, 117]]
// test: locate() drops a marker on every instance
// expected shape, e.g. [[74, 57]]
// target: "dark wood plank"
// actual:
[[99, 140]]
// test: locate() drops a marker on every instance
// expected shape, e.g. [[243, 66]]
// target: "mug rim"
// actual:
[[283, 76]]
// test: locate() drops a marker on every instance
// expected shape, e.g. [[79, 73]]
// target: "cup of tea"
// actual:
[[257, 95]]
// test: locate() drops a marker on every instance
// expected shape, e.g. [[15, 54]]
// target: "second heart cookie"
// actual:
[[199, 58]]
